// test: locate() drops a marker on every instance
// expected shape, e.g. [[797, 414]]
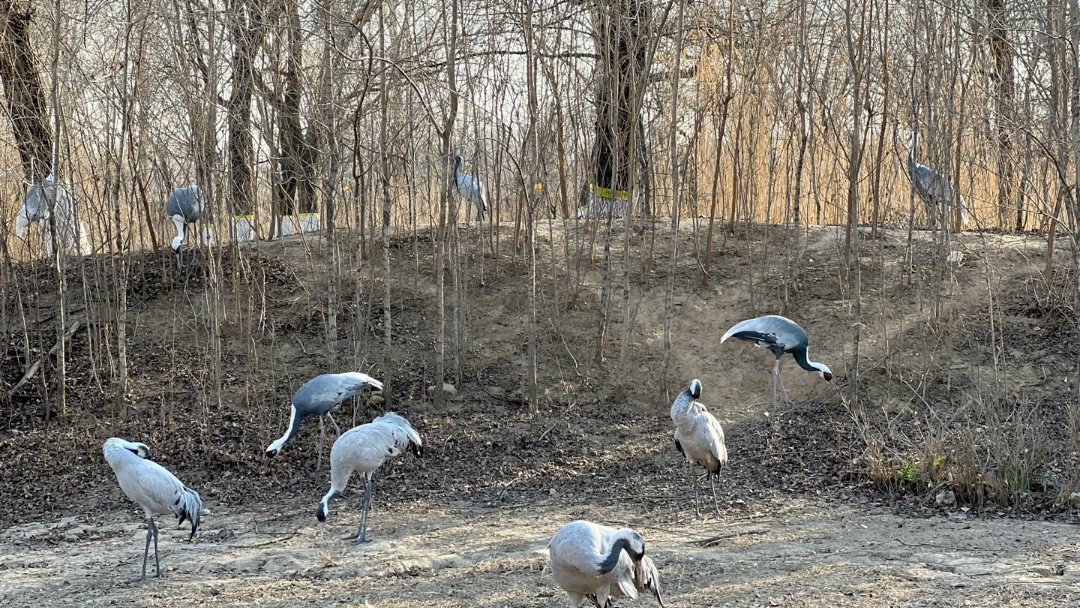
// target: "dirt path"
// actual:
[[803, 554]]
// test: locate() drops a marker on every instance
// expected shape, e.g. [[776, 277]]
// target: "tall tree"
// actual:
[[299, 149], [246, 28], [26, 103], [621, 30], [1004, 98]]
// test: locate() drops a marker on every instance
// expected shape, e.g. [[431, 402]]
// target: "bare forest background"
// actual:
[[742, 132]]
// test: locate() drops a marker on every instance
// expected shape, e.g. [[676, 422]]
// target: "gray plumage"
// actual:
[[780, 335], [154, 488], [601, 564], [316, 398], [470, 188], [45, 200], [700, 438], [184, 207], [365, 448], [932, 187]]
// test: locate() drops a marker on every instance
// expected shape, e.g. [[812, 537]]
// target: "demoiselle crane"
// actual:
[[155, 489], [470, 188], [699, 437], [184, 207], [933, 188], [317, 397], [601, 563], [780, 335], [46, 200], [365, 448]]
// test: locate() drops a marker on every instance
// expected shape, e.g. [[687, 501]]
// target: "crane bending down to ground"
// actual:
[[155, 489], [365, 448], [780, 335], [933, 188], [316, 398], [601, 563], [184, 207], [699, 437], [48, 199], [470, 188]]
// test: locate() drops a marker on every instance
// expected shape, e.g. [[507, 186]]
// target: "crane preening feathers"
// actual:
[[601, 563], [699, 437], [155, 489], [365, 448], [780, 335]]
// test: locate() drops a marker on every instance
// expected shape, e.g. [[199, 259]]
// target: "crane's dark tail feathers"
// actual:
[[189, 506], [416, 449], [755, 336]]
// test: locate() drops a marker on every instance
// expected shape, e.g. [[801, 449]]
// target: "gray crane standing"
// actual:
[[699, 437], [155, 489], [934, 189], [470, 188]]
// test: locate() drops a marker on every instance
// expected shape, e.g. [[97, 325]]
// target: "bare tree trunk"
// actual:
[[26, 100], [384, 143], [122, 305], [1055, 18], [58, 251], [247, 34], [803, 114], [299, 151], [1073, 205], [329, 124], [620, 32], [855, 49], [450, 26], [880, 156], [669, 296], [1004, 98], [720, 133], [531, 159]]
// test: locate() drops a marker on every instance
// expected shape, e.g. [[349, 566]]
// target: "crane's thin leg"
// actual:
[[361, 534], [146, 550], [322, 439], [715, 503], [697, 497], [775, 377], [337, 428], [157, 560], [783, 390]]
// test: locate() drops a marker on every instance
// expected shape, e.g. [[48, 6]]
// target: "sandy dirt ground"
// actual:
[[802, 554]]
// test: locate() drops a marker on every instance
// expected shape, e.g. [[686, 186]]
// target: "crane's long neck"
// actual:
[[619, 543], [118, 455], [324, 504], [295, 418], [682, 403], [804, 361], [612, 558], [181, 227]]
